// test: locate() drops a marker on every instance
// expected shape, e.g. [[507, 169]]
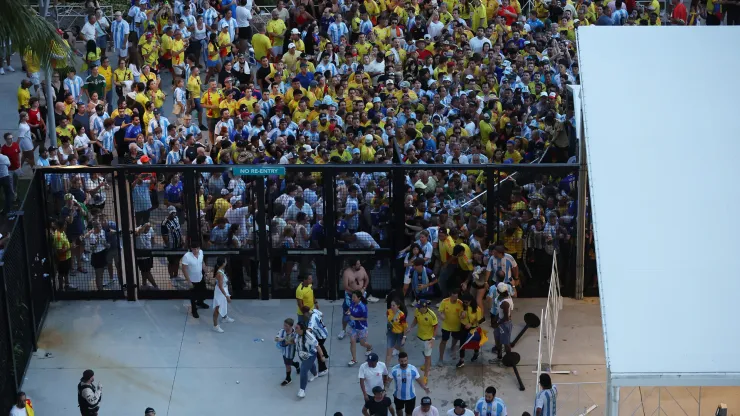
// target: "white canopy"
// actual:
[[662, 128]]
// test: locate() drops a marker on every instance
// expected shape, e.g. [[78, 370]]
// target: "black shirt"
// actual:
[[191, 152], [378, 408]]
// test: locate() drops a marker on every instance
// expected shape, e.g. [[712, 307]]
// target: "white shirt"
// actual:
[[468, 412], [88, 31], [477, 44], [373, 376], [432, 411], [15, 411], [194, 265], [4, 165], [243, 16]]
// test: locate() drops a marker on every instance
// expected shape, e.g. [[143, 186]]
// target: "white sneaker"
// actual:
[[341, 334], [227, 319], [10, 68], [372, 299], [311, 378], [2, 71], [218, 329], [301, 393], [323, 373], [395, 352]]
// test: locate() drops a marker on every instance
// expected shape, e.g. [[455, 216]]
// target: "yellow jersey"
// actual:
[[397, 321], [451, 311], [214, 99], [425, 323], [304, 294]]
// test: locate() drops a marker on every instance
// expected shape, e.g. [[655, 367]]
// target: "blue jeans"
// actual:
[[109, 101], [307, 365], [7, 184], [102, 42]]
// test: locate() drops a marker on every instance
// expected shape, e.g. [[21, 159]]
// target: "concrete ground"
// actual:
[[152, 353]]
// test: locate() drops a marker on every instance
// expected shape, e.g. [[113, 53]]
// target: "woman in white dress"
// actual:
[[221, 295]]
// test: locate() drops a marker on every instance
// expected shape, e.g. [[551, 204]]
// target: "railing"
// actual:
[[549, 325]]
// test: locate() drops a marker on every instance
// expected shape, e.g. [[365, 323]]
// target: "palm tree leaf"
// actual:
[[26, 30]]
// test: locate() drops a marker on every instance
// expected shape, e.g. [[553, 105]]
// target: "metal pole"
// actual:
[[263, 243], [50, 117], [581, 221], [612, 399]]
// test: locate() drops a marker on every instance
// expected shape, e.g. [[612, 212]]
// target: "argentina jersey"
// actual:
[[404, 380]]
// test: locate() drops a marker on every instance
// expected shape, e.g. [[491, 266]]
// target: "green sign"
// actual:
[[258, 171]]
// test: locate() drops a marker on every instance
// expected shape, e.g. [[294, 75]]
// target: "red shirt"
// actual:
[[509, 19], [13, 152], [679, 13]]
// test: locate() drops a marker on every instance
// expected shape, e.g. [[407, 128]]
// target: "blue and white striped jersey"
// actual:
[[404, 380], [316, 325], [288, 350], [494, 408], [547, 401]]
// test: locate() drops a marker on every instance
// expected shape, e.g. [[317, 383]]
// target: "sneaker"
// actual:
[[311, 378], [395, 352], [301, 393], [351, 363], [286, 382], [372, 299], [475, 357], [10, 68], [227, 319], [195, 313], [341, 334], [368, 352], [85, 257], [323, 373], [2, 71], [460, 364], [218, 329]]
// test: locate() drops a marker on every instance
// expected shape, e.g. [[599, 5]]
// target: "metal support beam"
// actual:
[[612, 399], [262, 249], [581, 220], [50, 117]]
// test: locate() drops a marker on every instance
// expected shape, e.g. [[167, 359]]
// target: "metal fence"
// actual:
[[25, 291], [274, 229]]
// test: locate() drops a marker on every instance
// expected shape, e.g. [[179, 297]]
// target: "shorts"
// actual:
[[393, 340], [245, 33], [494, 321], [122, 53], [113, 255], [407, 406], [145, 265], [212, 124], [213, 64], [428, 346], [173, 259], [179, 70], [98, 260], [64, 266], [358, 334], [502, 335], [288, 361], [165, 62], [26, 144], [446, 335]]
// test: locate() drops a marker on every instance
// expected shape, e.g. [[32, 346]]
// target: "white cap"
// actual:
[[234, 200], [291, 45], [369, 138], [295, 32], [502, 287]]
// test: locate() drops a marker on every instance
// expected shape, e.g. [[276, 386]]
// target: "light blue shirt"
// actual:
[[74, 86], [547, 401], [120, 31], [404, 380], [336, 31], [495, 408]]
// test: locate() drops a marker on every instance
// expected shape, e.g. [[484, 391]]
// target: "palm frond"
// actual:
[[26, 30]]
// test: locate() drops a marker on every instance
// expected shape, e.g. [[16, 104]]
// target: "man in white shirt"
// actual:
[[243, 16], [426, 408], [88, 30], [19, 408], [460, 409], [476, 44], [193, 269], [372, 373]]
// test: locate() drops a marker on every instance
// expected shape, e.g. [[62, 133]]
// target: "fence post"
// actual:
[[263, 242], [4, 296], [21, 228], [581, 222], [331, 269], [127, 237], [398, 216], [191, 204], [491, 175]]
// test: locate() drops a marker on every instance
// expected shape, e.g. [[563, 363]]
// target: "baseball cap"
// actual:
[[543, 94], [377, 389], [369, 138], [390, 81], [372, 357], [144, 159], [502, 287], [423, 302], [553, 95], [171, 209], [355, 151], [291, 45], [116, 14], [377, 100], [426, 401], [295, 32], [459, 403], [224, 191], [224, 24]]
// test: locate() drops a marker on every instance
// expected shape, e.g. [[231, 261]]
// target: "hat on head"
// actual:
[[451, 63], [291, 45], [502, 287], [155, 111], [234, 200], [377, 389], [447, 78], [224, 191], [87, 374], [116, 14], [404, 84], [423, 303], [427, 37], [68, 197], [295, 32], [171, 209], [369, 138], [144, 159], [543, 94], [389, 81], [426, 401], [459, 403], [377, 100], [131, 95], [487, 115], [469, 76], [149, 410], [372, 357], [308, 148], [149, 35], [224, 24], [534, 123], [356, 151]]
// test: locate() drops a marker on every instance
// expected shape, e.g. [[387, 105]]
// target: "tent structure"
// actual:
[[662, 130]]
